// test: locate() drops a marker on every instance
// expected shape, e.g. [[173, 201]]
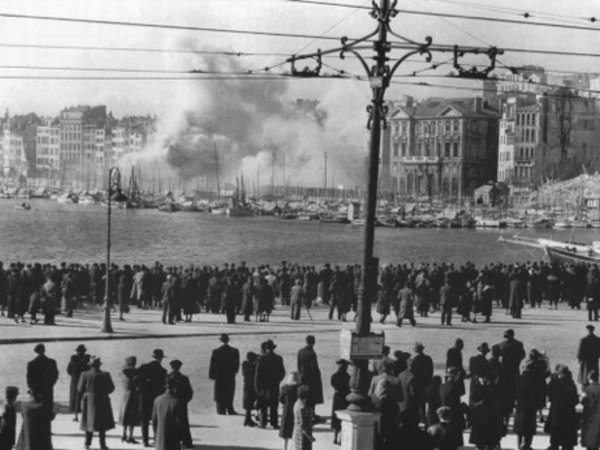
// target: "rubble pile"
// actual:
[[568, 193]]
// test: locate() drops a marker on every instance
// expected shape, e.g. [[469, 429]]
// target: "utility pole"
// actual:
[[379, 75]]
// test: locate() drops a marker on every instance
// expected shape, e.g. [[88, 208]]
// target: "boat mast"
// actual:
[[217, 170]]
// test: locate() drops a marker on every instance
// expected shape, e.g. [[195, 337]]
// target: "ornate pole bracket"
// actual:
[[473, 72]]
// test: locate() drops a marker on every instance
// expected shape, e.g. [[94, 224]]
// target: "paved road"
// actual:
[[557, 332]]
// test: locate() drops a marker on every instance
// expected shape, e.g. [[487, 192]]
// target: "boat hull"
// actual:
[[558, 255]]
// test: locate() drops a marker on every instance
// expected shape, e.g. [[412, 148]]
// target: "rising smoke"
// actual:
[[253, 129]]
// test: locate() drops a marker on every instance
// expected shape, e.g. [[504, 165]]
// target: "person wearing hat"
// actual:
[[130, 415], [451, 392], [525, 407], [8, 420], [42, 375], [249, 390], [79, 362], [184, 393], [223, 368], [340, 382], [270, 371], [422, 368], [588, 355], [511, 355], [151, 378], [310, 374], [95, 386], [444, 435]]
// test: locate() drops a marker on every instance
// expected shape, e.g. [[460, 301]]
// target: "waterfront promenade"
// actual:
[[556, 332]]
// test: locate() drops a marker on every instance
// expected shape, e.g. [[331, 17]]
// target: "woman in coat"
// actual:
[[526, 407], [288, 397], [340, 382], [486, 420], [302, 437], [562, 422], [79, 363], [130, 415], [95, 386], [590, 426], [249, 392]]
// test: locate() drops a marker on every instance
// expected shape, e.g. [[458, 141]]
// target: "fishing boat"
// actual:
[[334, 218], [67, 198], [23, 206], [238, 206], [306, 216], [481, 222]]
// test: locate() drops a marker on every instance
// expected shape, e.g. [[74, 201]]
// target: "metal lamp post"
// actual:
[[114, 193], [380, 75]]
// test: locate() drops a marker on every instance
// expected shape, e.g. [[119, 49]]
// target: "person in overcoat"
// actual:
[[588, 354], [166, 416], [340, 382], [50, 300], [130, 415], [454, 359], [249, 390], [512, 353], [450, 393], [151, 377], [562, 423], [287, 398], [95, 386], [421, 366], [42, 374], [448, 300], [269, 373], [184, 392], [36, 433], [8, 419], [525, 408], [79, 363], [539, 371], [406, 305], [590, 423], [486, 420], [408, 406], [302, 438], [310, 374], [224, 365], [296, 300]]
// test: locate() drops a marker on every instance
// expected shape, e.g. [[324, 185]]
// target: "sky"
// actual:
[[183, 105]]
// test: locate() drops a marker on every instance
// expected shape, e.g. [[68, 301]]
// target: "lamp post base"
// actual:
[[358, 429]]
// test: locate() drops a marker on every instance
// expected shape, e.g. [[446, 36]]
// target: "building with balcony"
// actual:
[[441, 147]]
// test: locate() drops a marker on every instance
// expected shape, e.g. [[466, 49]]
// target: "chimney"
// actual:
[[407, 101], [477, 102]]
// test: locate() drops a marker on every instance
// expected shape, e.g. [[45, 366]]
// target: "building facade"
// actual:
[[442, 148]]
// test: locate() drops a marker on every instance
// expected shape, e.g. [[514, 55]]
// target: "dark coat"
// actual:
[[421, 366], [249, 378], [131, 405], [151, 377], [224, 365], [562, 423], [8, 426], [166, 419], [486, 420], [42, 374], [310, 374], [450, 393], [340, 382], [445, 437], [77, 365], [36, 432], [95, 386], [588, 354], [525, 411], [590, 426], [269, 373], [287, 398]]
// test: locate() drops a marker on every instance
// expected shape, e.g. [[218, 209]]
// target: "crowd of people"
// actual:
[[469, 291], [418, 409]]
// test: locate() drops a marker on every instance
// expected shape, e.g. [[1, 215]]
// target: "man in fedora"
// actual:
[[184, 392], [587, 355], [512, 353], [269, 373], [79, 363], [224, 365], [42, 375], [95, 386], [152, 378], [310, 374]]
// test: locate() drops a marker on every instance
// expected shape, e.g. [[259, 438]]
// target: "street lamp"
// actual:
[[380, 75], [114, 194]]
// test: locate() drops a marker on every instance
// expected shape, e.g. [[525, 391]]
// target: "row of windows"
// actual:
[[450, 149], [526, 119], [428, 126]]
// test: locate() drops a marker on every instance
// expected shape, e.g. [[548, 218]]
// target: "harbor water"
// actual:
[[52, 232]]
